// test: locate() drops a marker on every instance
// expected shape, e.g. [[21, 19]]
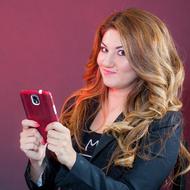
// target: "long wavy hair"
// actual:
[[151, 51]]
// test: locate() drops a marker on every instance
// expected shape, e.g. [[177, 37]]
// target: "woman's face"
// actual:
[[114, 66]]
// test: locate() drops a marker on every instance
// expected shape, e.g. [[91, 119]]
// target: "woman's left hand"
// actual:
[[59, 141]]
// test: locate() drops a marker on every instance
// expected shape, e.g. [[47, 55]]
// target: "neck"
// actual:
[[116, 100]]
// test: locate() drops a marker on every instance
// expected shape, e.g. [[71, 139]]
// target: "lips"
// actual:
[[107, 71]]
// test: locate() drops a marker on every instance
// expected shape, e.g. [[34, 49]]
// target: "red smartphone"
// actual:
[[39, 106]]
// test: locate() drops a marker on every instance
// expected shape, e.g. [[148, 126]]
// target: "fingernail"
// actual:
[[43, 142], [37, 125], [47, 127]]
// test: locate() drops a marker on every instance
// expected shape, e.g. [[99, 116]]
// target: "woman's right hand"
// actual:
[[31, 142]]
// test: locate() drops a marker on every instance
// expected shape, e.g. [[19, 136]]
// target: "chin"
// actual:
[[110, 85], [116, 86]]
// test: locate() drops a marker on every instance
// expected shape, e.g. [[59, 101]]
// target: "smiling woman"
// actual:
[[123, 129]]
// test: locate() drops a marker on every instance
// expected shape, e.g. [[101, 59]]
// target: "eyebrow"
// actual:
[[116, 47]]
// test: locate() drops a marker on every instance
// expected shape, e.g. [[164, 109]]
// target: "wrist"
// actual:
[[37, 168], [36, 163], [72, 161]]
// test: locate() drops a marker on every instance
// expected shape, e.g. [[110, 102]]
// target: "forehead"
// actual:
[[112, 38]]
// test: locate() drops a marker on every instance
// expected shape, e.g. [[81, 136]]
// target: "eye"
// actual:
[[103, 49], [121, 52]]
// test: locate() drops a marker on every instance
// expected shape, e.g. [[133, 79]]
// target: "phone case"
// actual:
[[39, 106]]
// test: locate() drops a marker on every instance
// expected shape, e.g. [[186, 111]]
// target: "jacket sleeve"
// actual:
[[145, 174], [48, 176], [29, 182]]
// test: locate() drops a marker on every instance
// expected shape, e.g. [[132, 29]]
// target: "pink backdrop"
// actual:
[[45, 44]]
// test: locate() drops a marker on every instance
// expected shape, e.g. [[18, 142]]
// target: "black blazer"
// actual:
[[90, 175]]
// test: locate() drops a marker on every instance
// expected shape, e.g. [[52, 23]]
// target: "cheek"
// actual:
[[130, 75], [127, 71], [125, 67], [99, 58]]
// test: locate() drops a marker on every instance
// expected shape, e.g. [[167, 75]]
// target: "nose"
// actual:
[[108, 60]]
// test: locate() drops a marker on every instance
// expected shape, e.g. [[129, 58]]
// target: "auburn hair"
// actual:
[[152, 54]]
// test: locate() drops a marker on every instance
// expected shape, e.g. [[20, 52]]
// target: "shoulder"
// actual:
[[165, 132], [169, 120], [69, 103]]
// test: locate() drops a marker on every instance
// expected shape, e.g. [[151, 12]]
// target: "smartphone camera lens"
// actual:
[[35, 99]]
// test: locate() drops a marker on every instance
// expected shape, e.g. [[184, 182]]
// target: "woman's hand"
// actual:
[[59, 141], [31, 142]]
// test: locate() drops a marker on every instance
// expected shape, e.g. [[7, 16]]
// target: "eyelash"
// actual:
[[104, 50]]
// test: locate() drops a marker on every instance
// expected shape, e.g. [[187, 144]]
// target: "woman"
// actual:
[[122, 130]]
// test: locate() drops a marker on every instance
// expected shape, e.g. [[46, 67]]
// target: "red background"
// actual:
[[45, 44]]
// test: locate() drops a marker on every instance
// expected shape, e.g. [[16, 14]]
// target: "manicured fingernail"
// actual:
[[37, 125], [43, 142], [47, 127]]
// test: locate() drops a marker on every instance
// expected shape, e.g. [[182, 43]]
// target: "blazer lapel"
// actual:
[[106, 139]]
